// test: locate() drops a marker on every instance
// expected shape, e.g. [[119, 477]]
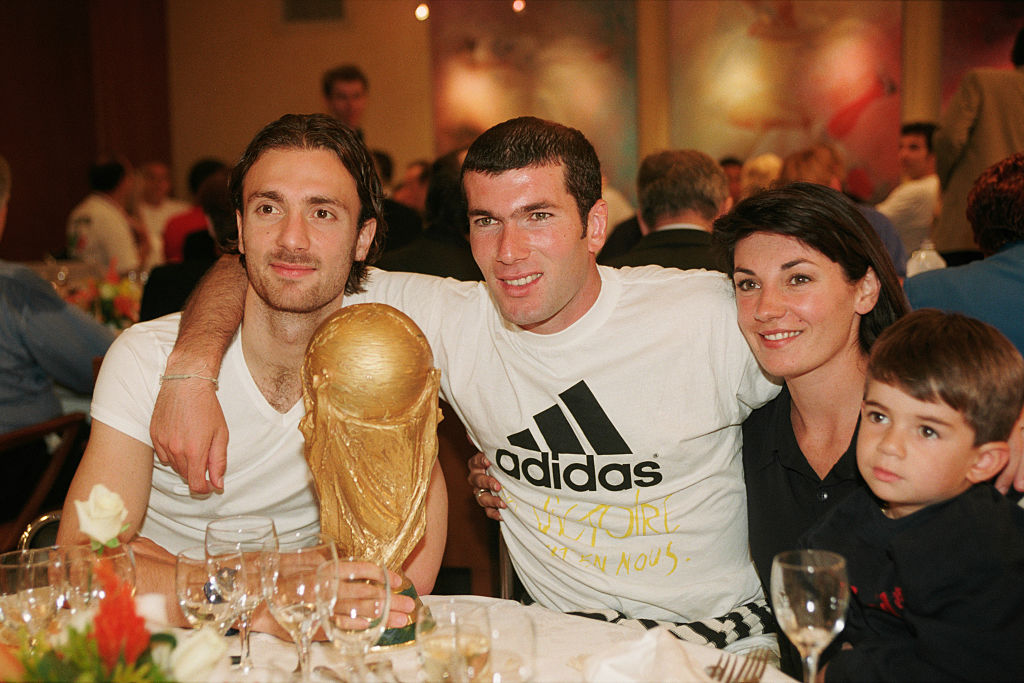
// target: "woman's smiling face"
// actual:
[[797, 310]]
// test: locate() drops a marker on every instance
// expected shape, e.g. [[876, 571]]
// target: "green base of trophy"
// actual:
[[405, 634]]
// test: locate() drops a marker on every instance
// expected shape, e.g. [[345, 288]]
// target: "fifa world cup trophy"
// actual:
[[370, 389]]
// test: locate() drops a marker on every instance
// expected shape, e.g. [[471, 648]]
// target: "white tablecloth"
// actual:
[[565, 646]]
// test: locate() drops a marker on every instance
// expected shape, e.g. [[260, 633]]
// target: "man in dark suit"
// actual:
[[983, 123], [678, 205]]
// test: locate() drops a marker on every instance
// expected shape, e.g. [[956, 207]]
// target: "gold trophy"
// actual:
[[370, 389]]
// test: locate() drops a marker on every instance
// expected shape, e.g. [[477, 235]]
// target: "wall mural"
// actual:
[[572, 62], [976, 34], [756, 76]]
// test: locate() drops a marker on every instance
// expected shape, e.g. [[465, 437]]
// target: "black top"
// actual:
[[785, 497], [937, 595], [404, 224], [435, 252], [623, 237], [682, 248]]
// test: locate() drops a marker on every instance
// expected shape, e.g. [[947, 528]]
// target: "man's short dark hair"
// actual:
[[528, 141], [995, 205], [345, 72], [1017, 53], [689, 180], [926, 129], [201, 170], [730, 161], [949, 357], [106, 175], [319, 131]]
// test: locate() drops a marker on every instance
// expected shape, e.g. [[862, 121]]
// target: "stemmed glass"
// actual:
[[353, 599], [252, 535], [289, 587], [810, 593], [210, 588]]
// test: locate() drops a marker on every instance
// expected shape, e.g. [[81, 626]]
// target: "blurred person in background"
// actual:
[[43, 341], [155, 205], [912, 205], [100, 231], [193, 219]]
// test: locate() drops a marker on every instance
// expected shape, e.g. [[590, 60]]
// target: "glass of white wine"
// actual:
[[253, 536], [354, 599], [289, 587], [810, 593], [210, 588], [454, 641]]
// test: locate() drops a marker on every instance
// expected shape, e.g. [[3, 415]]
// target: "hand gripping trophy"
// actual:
[[370, 391]]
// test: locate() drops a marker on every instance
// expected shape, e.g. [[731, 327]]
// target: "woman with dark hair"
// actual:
[[814, 289]]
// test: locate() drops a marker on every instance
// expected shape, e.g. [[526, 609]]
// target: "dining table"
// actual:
[[568, 648]]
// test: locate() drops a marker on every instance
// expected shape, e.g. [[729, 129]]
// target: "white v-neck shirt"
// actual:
[[266, 469]]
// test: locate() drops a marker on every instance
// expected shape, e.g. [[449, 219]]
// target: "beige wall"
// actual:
[[217, 106]]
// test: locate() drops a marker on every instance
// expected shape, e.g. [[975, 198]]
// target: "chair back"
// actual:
[[41, 532], [67, 429]]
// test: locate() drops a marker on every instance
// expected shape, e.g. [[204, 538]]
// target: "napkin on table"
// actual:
[[658, 656]]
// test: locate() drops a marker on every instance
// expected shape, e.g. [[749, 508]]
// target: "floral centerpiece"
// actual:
[[113, 300], [111, 642]]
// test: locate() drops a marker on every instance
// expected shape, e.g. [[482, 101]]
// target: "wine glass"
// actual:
[[353, 599], [454, 641], [513, 643], [30, 592], [252, 535], [82, 588], [210, 588], [810, 593], [289, 587]]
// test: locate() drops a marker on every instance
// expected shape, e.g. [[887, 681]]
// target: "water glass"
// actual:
[[210, 588], [82, 587], [513, 643], [454, 641], [30, 592], [353, 599]]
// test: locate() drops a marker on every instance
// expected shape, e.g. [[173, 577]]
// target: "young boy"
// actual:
[[936, 556]]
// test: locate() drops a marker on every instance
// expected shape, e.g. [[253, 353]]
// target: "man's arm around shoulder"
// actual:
[[188, 428]]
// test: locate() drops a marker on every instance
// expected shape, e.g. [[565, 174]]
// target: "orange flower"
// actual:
[[112, 276], [125, 306], [11, 668], [117, 629]]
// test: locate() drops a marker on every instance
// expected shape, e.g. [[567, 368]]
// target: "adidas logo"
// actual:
[[581, 470]]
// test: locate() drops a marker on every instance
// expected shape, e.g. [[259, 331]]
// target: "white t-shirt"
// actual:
[[98, 231], [616, 441], [266, 469], [911, 206]]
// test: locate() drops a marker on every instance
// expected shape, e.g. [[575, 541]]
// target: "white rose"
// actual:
[[102, 516], [197, 654]]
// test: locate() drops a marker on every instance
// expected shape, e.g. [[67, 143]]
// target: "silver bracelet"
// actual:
[[167, 378]]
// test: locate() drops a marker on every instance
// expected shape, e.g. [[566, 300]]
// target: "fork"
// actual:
[[734, 669]]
